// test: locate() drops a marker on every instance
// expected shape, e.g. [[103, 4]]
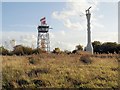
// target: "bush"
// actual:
[[79, 47], [38, 71], [37, 51], [106, 47], [39, 83], [3, 51], [22, 50], [27, 50], [22, 82], [56, 50], [32, 61], [86, 59], [18, 50], [10, 53], [74, 51], [67, 52]]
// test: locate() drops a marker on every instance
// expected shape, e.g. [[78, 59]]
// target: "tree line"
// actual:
[[98, 47], [107, 47]]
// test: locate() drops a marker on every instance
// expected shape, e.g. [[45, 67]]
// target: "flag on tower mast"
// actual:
[[43, 21]]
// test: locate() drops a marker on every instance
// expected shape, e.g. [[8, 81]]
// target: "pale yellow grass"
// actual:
[[63, 71]]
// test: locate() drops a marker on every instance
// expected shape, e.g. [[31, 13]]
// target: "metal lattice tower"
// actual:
[[43, 41]]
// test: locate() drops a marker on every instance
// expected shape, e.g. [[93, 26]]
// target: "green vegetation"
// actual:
[[79, 47], [57, 50], [107, 47], [25, 67], [3, 51], [86, 59], [98, 47], [60, 71]]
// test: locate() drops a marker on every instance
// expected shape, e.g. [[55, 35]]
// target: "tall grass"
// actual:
[[60, 71]]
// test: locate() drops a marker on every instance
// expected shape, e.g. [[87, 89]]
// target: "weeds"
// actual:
[[36, 72], [32, 61], [22, 82], [39, 83], [60, 71], [86, 59]]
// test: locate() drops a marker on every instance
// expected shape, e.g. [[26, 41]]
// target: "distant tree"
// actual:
[[118, 48], [18, 50], [96, 43], [36, 51], [3, 51], [56, 50], [79, 47], [97, 46], [27, 50], [22, 50], [106, 47], [67, 52], [109, 47], [74, 51]]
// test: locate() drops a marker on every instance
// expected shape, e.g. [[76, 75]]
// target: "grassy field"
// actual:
[[60, 71]]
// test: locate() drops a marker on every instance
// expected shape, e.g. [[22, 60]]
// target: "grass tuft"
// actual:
[[60, 71], [86, 59]]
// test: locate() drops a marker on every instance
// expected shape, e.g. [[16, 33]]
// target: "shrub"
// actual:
[[39, 83], [86, 59], [79, 47], [18, 50], [7, 85], [74, 51], [37, 51], [3, 51], [56, 50], [10, 53], [22, 82], [32, 61], [22, 50], [67, 52], [37, 71], [27, 50]]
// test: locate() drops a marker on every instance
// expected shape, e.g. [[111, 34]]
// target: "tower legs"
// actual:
[[43, 41]]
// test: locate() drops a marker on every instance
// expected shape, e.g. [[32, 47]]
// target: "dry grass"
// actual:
[[62, 70]]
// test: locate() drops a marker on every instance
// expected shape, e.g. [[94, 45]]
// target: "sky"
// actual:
[[68, 20]]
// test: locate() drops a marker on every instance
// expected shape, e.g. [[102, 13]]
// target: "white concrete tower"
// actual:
[[89, 46]]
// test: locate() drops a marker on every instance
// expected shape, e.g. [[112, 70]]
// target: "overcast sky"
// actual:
[[68, 20]]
